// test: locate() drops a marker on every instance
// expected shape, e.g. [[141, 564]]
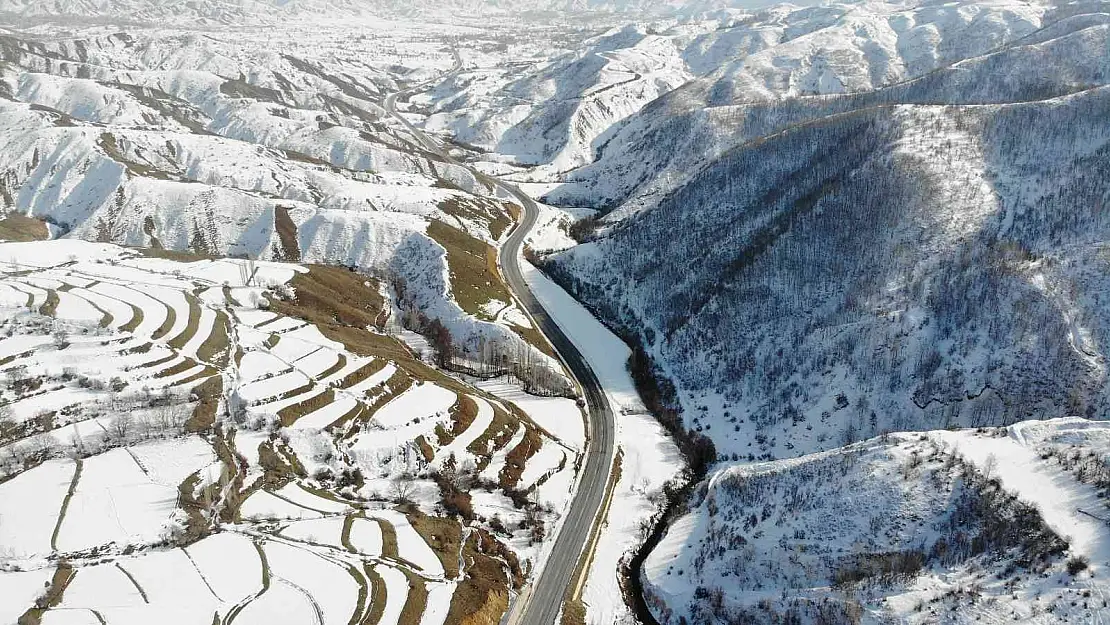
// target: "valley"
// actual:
[[474, 312]]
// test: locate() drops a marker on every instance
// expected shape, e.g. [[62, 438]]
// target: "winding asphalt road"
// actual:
[[540, 603]]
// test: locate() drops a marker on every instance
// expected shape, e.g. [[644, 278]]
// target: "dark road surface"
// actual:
[[541, 602]]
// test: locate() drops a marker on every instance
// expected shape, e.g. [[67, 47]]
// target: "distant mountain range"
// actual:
[[234, 11]]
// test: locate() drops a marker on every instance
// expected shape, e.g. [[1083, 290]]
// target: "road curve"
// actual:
[[540, 605]]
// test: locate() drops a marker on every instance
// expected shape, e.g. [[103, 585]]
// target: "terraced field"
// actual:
[[206, 441]]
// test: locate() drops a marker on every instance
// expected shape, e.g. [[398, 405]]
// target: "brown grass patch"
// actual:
[[65, 504], [50, 306], [574, 612], [389, 540], [111, 148], [518, 457], [332, 370], [363, 593], [175, 255], [167, 325], [535, 338], [204, 414], [444, 536], [215, 349], [179, 341], [463, 414], [352, 414], [496, 436], [362, 373], [416, 602], [157, 363], [475, 280], [204, 374], [287, 235], [334, 295], [426, 450], [23, 229], [497, 217], [277, 470], [291, 414], [483, 596], [237, 88], [196, 524], [136, 319], [177, 369], [377, 597], [63, 575]]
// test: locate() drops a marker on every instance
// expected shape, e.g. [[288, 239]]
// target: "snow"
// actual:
[[115, 502], [29, 506], [396, 593], [305, 499], [650, 460], [559, 416], [1016, 461], [231, 565], [271, 388], [169, 462], [20, 590], [327, 583], [322, 418], [497, 461], [120, 312], [607, 354], [546, 460], [439, 603], [280, 604], [264, 505], [258, 363], [70, 617], [98, 586], [366, 537], [172, 585], [73, 308], [410, 544], [322, 531], [481, 423], [418, 402]]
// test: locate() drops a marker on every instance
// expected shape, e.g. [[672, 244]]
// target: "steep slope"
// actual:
[[910, 529], [876, 265], [219, 145], [747, 68], [559, 113]]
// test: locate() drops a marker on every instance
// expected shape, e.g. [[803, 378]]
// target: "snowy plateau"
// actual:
[[469, 312]]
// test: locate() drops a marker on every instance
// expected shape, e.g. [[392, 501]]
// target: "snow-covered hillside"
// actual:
[[213, 12], [566, 112], [945, 527], [920, 256], [218, 144], [183, 437]]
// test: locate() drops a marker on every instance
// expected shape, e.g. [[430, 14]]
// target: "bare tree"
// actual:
[[7, 423], [121, 426], [401, 489]]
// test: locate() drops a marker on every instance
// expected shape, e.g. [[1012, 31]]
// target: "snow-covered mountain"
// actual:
[[266, 11], [914, 256], [586, 105], [853, 220], [219, 146]]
